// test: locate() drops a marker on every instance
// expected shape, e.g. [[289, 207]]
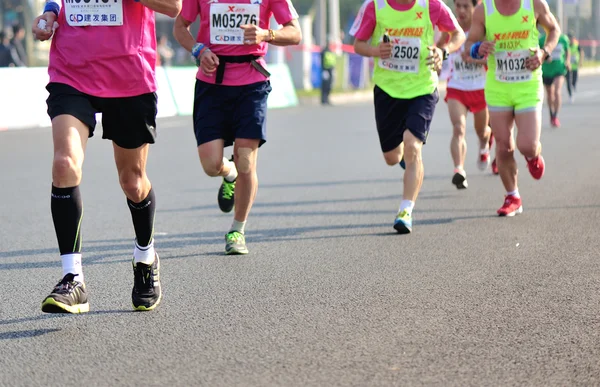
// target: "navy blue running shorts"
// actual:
[[394, 115], [230, 112]]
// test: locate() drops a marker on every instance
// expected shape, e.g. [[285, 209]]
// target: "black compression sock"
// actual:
[[142, 214], [67, 211]]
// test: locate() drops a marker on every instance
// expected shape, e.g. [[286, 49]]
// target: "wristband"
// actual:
[[53, 7], [475, 51], [198, 50]]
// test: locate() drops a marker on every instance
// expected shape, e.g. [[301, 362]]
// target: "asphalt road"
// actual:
[[329, 294]]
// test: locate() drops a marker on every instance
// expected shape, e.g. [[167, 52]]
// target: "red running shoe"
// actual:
[[512, 206], [495, 167], [536, 167]]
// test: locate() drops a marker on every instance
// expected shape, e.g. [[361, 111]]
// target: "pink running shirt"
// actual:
[[441, 16], [225, 16], [105, 60]]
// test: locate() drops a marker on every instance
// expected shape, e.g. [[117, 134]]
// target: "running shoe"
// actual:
[[235, 243], [495, 167], [555, 122], [536, 167], [511, 207], [483, 162], [68, 296], [402, 164], [460, 179], [147, 292], [403, 222], [226, 195]]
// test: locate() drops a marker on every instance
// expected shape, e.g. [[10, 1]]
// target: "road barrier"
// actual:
[[23, 93]]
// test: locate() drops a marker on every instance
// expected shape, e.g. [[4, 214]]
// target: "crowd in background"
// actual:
[[12, 47]]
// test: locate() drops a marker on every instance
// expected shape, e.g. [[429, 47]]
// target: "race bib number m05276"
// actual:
[[510, 66], [226, 20], [81, 13], [406, 55]]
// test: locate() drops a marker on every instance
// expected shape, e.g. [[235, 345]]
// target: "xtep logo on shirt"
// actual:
[[419, 15], [525, 19], [410, 31], [511, 40], [233, 8]]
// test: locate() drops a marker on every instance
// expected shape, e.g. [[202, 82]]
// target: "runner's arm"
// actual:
[[477, 31], [181, 32], [170, 8], [364, 48], [289, 35], [546, 19]]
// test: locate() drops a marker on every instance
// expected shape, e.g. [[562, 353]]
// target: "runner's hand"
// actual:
[[254, 34], [436, 58], [488, 47], [208, 63], [46, 32], [536, 59], [384, 50]]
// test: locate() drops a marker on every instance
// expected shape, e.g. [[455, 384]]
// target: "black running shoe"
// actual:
[[146, 294], [226, 194], [68, 296], [460, 180]]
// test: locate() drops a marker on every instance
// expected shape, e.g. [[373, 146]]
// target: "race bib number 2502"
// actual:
[[226, 20]]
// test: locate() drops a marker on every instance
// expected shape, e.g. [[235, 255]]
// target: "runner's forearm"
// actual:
[[289, 35], [182, 34], [170, 8], [457, 38], [364, 48]]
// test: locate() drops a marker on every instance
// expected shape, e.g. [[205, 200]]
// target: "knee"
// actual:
[[245, 160], [504, 148], [391, 158], [529, 148], [131, 181], [66, 171], [412, 151], [212, 167], [459, 130]]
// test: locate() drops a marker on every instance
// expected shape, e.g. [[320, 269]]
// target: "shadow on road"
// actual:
[[26, 334]]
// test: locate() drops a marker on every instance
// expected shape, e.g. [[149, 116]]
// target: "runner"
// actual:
[[465, 94], [554, 70], [505, 32], [576, 61], [232, 86], [406, 79], [102, 61]]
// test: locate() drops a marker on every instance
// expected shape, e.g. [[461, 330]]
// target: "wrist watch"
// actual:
[[446, 53], [546, 54]]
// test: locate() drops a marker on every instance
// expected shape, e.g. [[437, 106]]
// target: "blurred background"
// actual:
[[324, 23]]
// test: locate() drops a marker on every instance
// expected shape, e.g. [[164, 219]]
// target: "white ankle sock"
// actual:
[[407, 205], [238, 226], [514, 193], [71, 263], [144, 254], [232, 175]]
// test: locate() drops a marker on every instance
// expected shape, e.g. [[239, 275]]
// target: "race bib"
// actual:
[[81, 13], [510, 66], [226, 19], [406, 55], [557, 53], [468, 72]]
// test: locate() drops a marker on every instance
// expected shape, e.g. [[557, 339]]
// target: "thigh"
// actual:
[[212, 111], [211, 155], [529, 126], [502, 124], [130, 122], [481, 119], [420, 115], [458, 113], [250, 114], [66, 100], [130, 163], [390, 118]]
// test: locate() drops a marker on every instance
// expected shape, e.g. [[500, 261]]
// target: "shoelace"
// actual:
[[144, 279], [228, 189], [65, 285], [235, 237]]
